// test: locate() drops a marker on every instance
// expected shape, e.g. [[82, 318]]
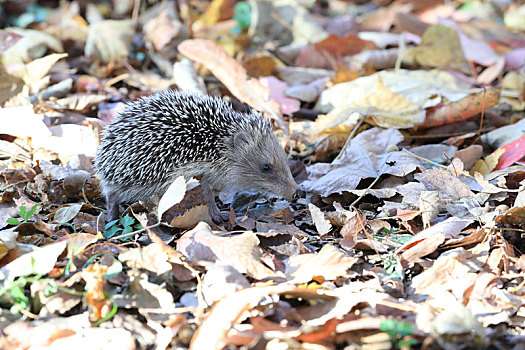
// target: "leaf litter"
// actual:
[[404, 125]]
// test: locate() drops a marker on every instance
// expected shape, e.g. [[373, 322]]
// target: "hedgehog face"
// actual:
[[259, 162]]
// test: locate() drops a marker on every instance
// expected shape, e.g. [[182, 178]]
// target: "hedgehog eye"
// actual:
[[266, 168]]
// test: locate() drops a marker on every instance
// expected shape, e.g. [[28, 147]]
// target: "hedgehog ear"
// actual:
[[241, 139]]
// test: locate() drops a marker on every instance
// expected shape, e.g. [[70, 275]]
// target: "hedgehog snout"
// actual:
[[286, 186], [289, 189]]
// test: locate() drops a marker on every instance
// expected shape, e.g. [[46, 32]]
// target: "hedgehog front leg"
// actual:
[[209, 197], [112, 206]]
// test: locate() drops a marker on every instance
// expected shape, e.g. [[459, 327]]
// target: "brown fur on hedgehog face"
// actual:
[[259, 162]]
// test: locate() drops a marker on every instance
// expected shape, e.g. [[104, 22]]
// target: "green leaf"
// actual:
[[127, 221], [407, 343], [19, 297], [404, 329], [127, 229], [113, 231], [23, 213], [13, 221], [242, 14], [109, 224], [32, 210], [389, 327]]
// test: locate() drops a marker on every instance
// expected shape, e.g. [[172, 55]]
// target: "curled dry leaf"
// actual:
[[99, 304], [173, 195], [427, 241], [37, 69], [390, 110], [322, 225], [230, 311], [161, 29], [461, 110], [488, 164], [153, 301], [29, 46], [230, 72]]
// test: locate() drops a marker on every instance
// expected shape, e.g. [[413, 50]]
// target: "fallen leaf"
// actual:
[[162, 29], [173, 195], [201, 246], [39, 261], [440, 47], [109, 40], [230, 73], [461, 110], [322, 225], [328, 264], [276, 87], [485, 166], [513, 152], [230, 311]]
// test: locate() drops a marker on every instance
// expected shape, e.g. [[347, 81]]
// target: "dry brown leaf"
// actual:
[[485, 166], [327, 52], [152, 257], [39, 261], [427, 241], [230, 72], [99, 304], [390, 110]]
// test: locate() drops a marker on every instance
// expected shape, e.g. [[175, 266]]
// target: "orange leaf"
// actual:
[[461, 110]]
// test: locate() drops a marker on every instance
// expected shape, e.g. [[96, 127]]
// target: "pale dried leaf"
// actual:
[[39, 261], [152, 257], [173, 195], [322, 225], [67, 213], [109, 40], [329, 264], [201, 246]]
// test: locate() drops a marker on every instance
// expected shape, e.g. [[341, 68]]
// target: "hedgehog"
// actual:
[[158, 138]]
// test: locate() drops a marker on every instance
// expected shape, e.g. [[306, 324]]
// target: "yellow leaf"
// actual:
[[212, 14], [386, 100], [440, 47], [386, 108], [485, 166]]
